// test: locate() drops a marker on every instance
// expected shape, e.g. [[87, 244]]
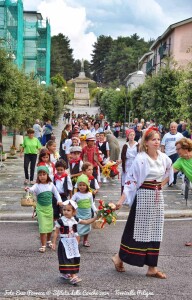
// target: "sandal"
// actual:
[[75, 280], [119, 267], [66, 276], [86, 244], [188, 244], [26, 181], [158, 274], [49, 244], [42, 249]]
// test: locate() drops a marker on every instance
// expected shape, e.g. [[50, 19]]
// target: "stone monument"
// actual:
[[81, 95]]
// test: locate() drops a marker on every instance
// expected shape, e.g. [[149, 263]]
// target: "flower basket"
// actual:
[[4, 156], [28, 200], [97, 224], [13, 151]]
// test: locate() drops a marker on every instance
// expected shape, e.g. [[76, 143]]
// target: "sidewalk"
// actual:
[[12, 188]]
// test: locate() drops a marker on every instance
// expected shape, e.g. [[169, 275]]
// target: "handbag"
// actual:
[[28, 200]]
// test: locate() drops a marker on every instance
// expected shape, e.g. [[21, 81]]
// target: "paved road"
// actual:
[[27, 274], [25, 271], [12, 189]]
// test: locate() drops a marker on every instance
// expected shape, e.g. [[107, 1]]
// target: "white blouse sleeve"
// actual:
[[69, 184], [94, 208]]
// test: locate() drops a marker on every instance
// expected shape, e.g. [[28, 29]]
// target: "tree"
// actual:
[[113, 60], [58, 81], [61, 56], [99, 56]]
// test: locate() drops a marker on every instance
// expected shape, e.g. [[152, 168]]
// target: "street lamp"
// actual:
[[130, 112]]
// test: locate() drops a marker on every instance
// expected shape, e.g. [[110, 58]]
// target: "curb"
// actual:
[[169, 214]]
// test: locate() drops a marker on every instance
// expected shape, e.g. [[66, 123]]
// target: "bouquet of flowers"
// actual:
[[106, 213], [83, 137], [110, 169]]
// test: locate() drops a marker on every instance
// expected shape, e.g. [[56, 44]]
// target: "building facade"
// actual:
[[27, 39], [175, 42]]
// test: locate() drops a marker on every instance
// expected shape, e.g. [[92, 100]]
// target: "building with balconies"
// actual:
[[175, 42], [26, 37]]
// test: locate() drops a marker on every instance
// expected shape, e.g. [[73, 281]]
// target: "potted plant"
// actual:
[[4, 156], [13, 150]]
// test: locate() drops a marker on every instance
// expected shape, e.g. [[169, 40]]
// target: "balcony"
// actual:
[[149, 67], [164, 50]]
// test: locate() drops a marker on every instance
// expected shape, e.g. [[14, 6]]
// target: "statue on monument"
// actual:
[[82, 65]]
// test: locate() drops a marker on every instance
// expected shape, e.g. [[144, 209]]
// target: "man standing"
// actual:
[[37, 130], [168, 145]]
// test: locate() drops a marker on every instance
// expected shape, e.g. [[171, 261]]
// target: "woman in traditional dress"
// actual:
[[128, 154], [143, 232]]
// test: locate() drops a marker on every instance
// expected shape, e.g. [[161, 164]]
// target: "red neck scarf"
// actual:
[[75, 161], [59, 177], [91, 177]]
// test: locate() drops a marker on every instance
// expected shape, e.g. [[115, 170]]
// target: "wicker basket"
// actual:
[[97, 224], [28, 200]]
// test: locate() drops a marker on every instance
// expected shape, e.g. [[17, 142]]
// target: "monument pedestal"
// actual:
[[81, 95]]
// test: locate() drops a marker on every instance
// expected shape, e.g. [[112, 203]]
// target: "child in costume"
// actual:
[[90, 153], [44, 160], [54, 155], [44, 189], [87, 169], [75, 163], [75, 141], [85, 203], [63, 183], [68, 252]]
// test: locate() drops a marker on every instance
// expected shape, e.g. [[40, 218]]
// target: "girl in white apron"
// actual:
[[68, 250]]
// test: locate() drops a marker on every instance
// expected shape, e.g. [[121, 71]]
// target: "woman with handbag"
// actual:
[[143, 232]]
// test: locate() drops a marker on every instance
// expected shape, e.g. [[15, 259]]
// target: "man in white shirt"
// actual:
[[168, 145]]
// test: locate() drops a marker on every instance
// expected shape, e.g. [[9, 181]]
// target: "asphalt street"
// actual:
[[28, 274]]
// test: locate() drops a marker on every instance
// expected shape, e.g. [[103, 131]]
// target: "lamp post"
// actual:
[[130, 112]]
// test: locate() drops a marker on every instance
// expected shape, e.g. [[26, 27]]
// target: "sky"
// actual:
[[85, 20]]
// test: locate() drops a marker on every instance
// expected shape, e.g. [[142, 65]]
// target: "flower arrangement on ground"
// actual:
[[106, 213], [110, 169]]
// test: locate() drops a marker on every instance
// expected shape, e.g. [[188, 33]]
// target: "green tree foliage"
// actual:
[[184, 93], [113, 60], [55, 98], [159, 96], [112, 103], [61, 56], [58, 81], [101, 49], [77, 68]]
